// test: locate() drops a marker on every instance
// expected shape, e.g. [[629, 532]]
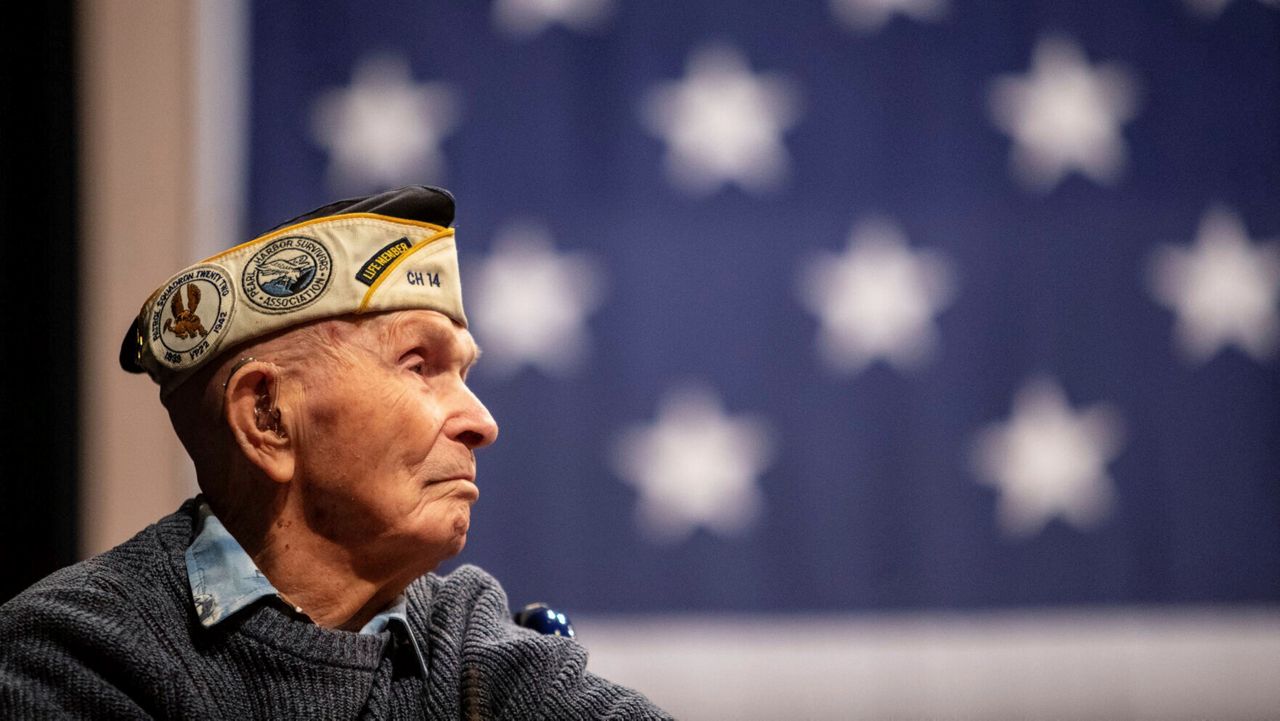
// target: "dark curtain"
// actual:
[[39, 292]]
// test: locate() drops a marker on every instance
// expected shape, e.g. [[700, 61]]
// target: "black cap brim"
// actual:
[[422, 203]]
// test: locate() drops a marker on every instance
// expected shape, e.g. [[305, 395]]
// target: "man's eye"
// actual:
[[417, 365]]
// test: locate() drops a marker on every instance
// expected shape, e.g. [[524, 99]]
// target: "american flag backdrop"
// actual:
[[834, 309]]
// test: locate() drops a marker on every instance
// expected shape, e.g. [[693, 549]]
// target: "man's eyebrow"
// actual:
[[414, 331], [417, 333]]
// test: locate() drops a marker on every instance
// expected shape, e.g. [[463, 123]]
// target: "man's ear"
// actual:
[[257, 423]]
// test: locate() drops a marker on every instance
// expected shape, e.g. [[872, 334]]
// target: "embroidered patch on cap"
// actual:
[[190, 315], [287, 274], [382, 260], [343, 258]]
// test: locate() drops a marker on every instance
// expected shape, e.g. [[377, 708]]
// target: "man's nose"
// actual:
[[474, 426]]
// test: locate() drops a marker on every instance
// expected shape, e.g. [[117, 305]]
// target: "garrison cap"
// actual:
[[390, 251]]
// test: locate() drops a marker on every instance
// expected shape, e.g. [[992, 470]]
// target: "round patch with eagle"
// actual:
[[287, 274], [190, 315]]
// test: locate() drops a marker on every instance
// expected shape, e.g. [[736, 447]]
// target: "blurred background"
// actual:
[[854, 359]]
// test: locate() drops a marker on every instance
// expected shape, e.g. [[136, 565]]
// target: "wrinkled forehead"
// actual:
[[352, 338], [407, 329]]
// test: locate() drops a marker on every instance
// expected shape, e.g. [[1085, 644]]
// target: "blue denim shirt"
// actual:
[[225, 580]]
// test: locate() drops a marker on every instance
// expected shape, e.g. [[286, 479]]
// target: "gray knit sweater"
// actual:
[[116, 636]]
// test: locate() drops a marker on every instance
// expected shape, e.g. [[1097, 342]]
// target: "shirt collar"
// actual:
[[225, 580], [397, 611]]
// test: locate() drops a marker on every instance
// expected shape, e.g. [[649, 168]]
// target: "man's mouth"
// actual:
[[470, 479]]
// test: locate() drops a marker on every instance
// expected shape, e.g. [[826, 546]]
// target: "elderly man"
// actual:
[[317, 377]]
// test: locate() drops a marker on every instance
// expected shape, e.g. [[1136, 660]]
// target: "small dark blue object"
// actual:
[[542, 618]]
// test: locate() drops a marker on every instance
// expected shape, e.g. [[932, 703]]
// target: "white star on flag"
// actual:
[[876, 300], [383, 129], [695, 467], [1223, 289], [530, 302], [525, 18], [1211, 9], [1048, 461], [723, 124], [868, 16], [1064, 115]]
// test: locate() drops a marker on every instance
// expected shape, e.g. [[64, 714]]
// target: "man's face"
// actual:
[[385, 439]]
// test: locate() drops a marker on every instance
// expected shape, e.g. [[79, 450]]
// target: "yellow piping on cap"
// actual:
[[386, 272], [289, 229]]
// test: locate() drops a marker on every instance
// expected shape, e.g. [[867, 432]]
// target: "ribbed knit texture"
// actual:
[[116, 636]]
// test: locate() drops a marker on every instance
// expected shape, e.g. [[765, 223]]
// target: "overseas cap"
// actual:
[[390, 251]]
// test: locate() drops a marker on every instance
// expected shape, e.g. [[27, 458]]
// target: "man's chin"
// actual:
[[461, 525], [436, 537], [460, 542], [452, 546]]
